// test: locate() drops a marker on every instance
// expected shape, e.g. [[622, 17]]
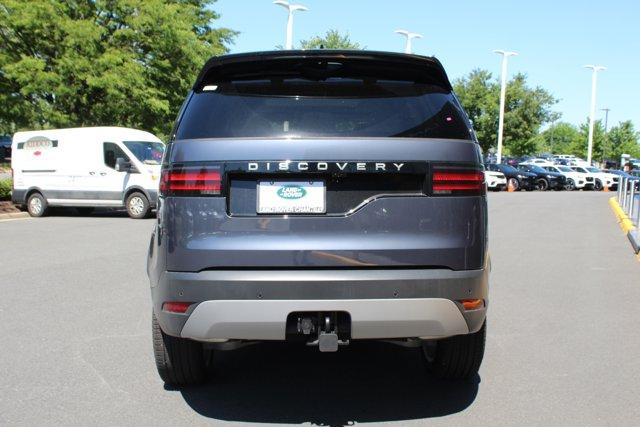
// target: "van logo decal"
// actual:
[[291, 192], [37, 143]]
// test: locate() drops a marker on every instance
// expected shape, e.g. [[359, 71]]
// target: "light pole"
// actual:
[[592, 114], [290, 8], [503, 92], [409, 35], [606, 134]]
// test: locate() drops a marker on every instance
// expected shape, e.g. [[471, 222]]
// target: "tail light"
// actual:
[[191, 181], [458, 182], [176, 306]]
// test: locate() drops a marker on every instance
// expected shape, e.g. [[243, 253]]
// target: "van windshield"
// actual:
[[149, 153]]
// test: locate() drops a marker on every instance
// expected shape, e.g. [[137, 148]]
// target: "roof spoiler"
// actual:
[[320, 64]]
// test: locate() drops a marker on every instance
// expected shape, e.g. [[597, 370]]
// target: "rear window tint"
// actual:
[[335, 107]]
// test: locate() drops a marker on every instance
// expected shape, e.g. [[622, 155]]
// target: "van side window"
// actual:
[[111, 153]]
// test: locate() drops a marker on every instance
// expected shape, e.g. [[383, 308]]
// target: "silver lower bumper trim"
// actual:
[[217, 320]]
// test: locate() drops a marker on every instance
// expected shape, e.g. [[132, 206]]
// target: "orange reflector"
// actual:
[[176, 307], [472, 304]]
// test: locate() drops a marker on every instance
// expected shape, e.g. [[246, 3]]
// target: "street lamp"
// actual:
[[290, 8], [503, 92], [409, 35], [606, 133], [592, 114]]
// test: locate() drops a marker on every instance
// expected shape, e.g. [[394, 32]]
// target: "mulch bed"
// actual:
[[8, 207]]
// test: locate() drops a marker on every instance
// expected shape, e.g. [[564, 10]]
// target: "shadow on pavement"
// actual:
[[365, 382]]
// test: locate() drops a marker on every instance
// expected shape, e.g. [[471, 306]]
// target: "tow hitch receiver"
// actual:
[[327, 330]]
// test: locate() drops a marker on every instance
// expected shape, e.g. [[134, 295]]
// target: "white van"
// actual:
[[86, 168]]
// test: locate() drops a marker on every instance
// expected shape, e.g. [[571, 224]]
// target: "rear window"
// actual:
[[331, 107]]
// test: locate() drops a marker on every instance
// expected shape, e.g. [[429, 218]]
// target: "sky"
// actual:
[[554, 40]]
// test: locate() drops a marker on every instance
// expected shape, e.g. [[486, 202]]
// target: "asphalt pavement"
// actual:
[[563, 346]]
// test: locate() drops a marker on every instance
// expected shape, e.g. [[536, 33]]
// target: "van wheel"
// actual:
[[179, 361], [457, 357], [137, 205], [37, 205]]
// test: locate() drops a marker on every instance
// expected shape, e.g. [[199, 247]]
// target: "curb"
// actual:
[[14, 215], [626, 225]]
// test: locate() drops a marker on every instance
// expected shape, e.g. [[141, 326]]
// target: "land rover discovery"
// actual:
[[321, 197]]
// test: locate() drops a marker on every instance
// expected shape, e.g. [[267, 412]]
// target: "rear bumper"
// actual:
[[382, 303]]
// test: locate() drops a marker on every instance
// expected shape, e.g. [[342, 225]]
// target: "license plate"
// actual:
[[291, 197]]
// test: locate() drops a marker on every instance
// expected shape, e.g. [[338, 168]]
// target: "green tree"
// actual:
[[580, 146], [102, 62], [479, 94], [526, 110], [622, 139], [331, 40], [560, 138]]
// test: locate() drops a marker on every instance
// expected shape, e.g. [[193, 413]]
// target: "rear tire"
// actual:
[[542, 185], [180, 361], [37, 205], [457, 357], [137, 205]]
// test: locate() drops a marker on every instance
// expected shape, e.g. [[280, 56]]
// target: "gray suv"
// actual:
[[320, 197]]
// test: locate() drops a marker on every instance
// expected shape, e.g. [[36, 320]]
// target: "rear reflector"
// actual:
[[472, 304], [193, 181], [176, 307], [458, 182]]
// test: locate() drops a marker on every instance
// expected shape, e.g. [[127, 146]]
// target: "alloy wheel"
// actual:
[[136, 205]]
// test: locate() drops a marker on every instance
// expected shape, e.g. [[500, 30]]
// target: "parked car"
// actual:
[[564, 157], [577, 161], [518, 179], [511, 161], [545, 156], [622, 175], [600, 178], [496, 181], [575, 180], [86, 168], [5, 147], [277, 218], [545, 180], [538, 162], [490, 158]]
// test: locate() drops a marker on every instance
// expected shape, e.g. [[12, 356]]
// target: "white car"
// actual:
[[577, 161], [600, 179], [496, 181], [564, 159], [575, 180], [538, 162]]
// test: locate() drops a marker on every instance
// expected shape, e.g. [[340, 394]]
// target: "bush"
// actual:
[[5, 189]]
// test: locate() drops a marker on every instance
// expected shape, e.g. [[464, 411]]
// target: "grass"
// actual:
[[5, 189]]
